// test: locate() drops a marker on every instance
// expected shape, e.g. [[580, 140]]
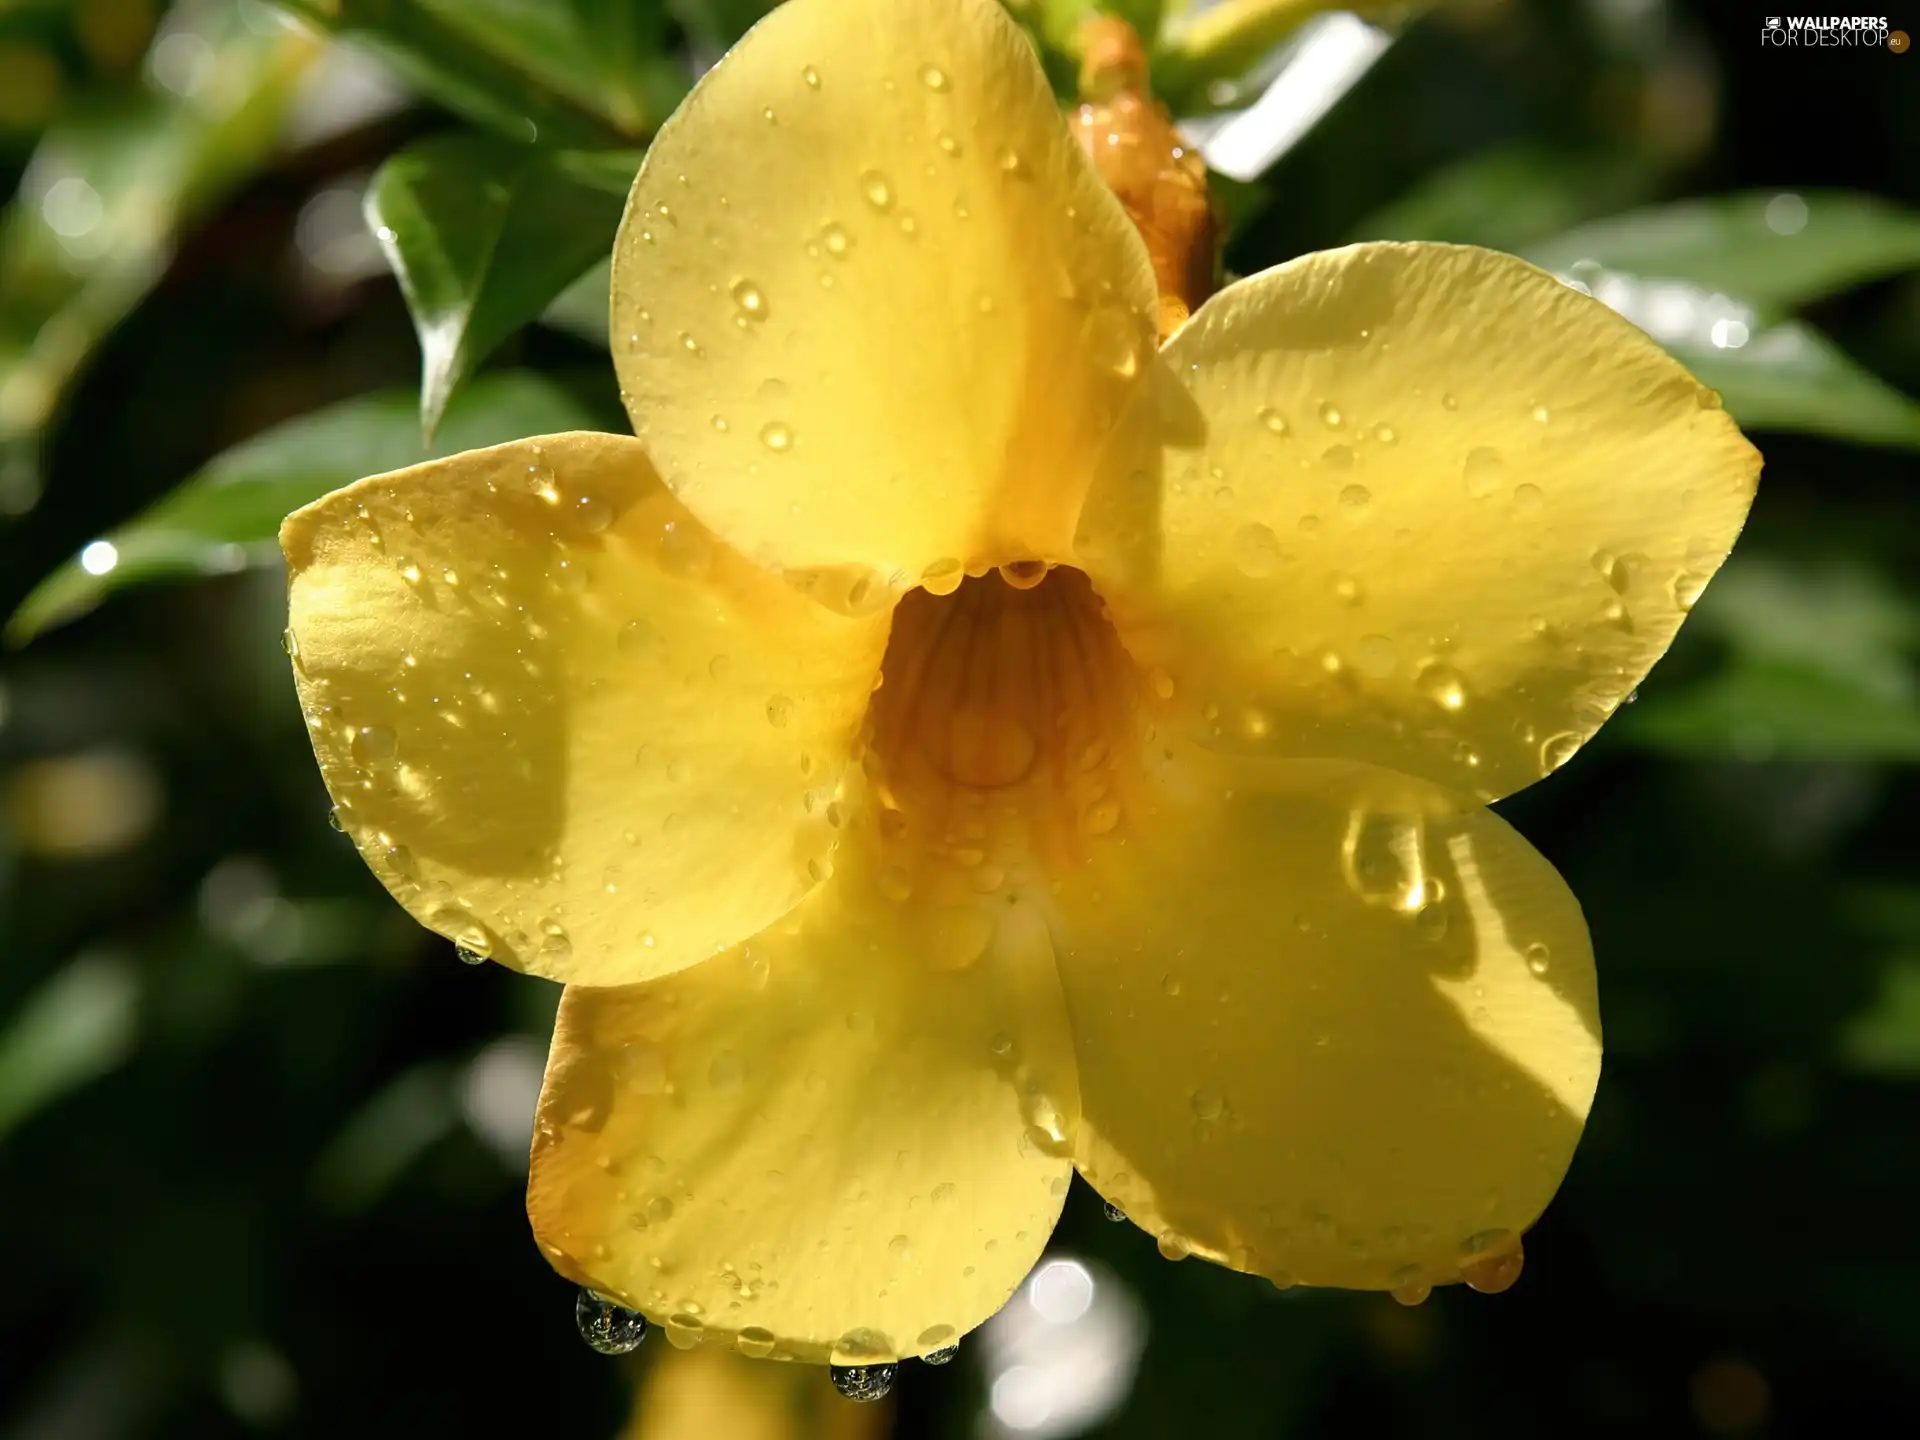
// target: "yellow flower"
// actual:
[[1159, 855]]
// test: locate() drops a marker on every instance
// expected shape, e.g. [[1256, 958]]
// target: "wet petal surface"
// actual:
[[1335, 1026], [843, 1141], [1417, 505], [567, 728], [872, 306]]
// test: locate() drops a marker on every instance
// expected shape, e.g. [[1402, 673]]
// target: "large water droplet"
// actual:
[[1493, 1261], [1483, 471], [864, 1383], [1556, 750], [1024, 574], [1538, 957], [749, 298], [1256, 550], [1687, 586], [1443, 685], [1114, 1212], [878, 190], [609, 1328], [755, 1342], [471, 957], [941, 1356]]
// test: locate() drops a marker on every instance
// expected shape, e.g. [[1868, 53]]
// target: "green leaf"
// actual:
[[1770, 249], [582, 308], [1841, 619], [1885, 1038], [565, 72], [76, 1026], [1769, 712], [227, 517], [1789, 376], [95, 219], [483, 235], [1509, 197]]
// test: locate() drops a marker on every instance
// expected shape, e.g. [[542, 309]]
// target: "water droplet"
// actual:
[[811, 76], [555, 944], [1346, 589], [689, 344], [1001, 1043], [1256, 549], [334, 820], [1542, 414], [877, 189], [1538, 957], [776, 437], [948, 144], [1556, 750], [933, 77], [1482, 471], [1337, 457], [1375, 655], [1208, 1105], [470, 957], [1448, 402], [1493, 1261], [289, 644], [374, 744], [779, 711], [751, 301], [1385, 433], [836, 240], [1024, 574], [1383, 858], [1162, 683], [943, 577], [1011, 163], [755, 1342], [1115, 1213], [685, 1330], [609, 1328], [1408, 1286], [1528, 499], [941, 1356], [864, 1383], [1172, 1247], [1686, 589], [1275, 422], [1442, 684], [685, 551], [1355, 497]]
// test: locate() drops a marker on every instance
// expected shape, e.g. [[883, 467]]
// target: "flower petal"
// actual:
[[1334, 1025], [565, 727], [1423, 506], [871, 305], [826, 1144]]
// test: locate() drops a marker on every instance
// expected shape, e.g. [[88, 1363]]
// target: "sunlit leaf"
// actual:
[[564, 72], [92, 224], [79, 1024], [1771, 249], [226, 517], [483, 234], [1788, 376], [1509, 197]]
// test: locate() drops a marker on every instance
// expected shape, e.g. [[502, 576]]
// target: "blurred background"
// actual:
[[262, 1139]]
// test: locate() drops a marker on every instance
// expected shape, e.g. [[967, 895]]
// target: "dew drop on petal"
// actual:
[[1443, 685], [878, 190], [1482, 471], [609, 1328], [776, 437], [1256, 550], [1538, 957], [1275, 422], [1330, 415], [750, 300]]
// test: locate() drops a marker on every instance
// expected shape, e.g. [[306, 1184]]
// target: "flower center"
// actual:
[[1002, 705]]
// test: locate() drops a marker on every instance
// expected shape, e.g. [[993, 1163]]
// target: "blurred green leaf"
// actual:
[[582, 308], [565, 72], [1789, 376], [483, 235], [1885, 1039], [1201, 46], [1775, 712], [76, 1026], [377, 1145], [1841, 619], [1509, 197], [94, 220], [716, 24], [227, 516], [1771, 249]]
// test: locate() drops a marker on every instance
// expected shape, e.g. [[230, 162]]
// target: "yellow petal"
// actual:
[[1335, 1026], [830, 1143], [1417, 505], [565, 727], [871, 305]]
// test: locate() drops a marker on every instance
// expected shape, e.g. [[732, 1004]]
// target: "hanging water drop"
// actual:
[[864, 1383], [474, 957], [1115, 1213], [941, 1356], [609, 1328]]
